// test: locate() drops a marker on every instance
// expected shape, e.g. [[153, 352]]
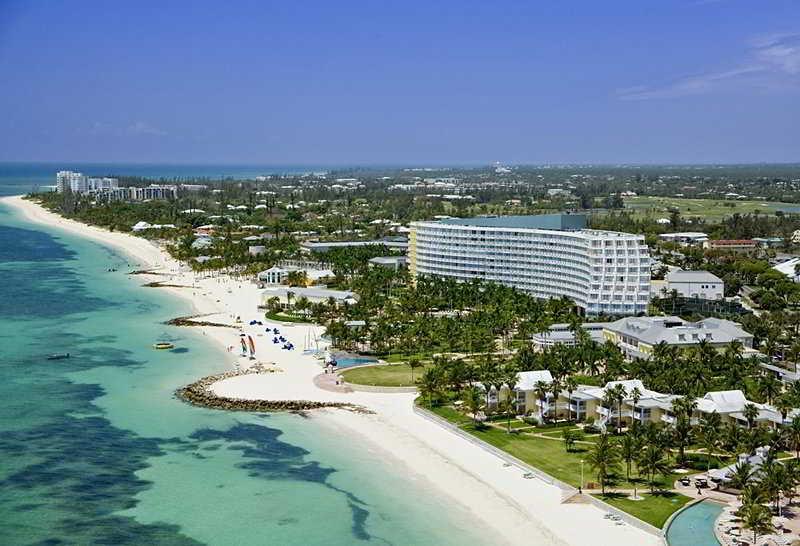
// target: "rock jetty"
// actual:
[[199, 393]]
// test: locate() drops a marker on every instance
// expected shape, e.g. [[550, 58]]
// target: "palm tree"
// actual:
[[604, 458], [769, 387], [792, 432], [741, 475], [430, 384], [636, 395], [541, 390], [710, 435], [750, 413], [653, 461], [413, 363], [474, 401], [757, 518], [570, 385], [629, 451]]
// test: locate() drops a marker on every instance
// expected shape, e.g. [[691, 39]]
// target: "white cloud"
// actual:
[[143, 128], [772, 59]]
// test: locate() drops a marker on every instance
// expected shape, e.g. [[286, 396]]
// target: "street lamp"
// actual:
[[580, 489]]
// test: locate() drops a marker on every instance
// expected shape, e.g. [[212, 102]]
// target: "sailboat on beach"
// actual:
[[252, 347], [244, 346]]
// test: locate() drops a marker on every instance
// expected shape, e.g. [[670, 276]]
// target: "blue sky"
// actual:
[[302, 82]]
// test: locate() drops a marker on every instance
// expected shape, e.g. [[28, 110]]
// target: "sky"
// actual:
[[402, 83]]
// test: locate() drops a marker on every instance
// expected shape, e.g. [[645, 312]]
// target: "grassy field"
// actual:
[[654, 509], [283, 317], [710, 209], [392, 375], [551, 457]]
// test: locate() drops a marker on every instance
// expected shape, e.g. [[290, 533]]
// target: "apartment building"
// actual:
[[71, 181], [548, 256]]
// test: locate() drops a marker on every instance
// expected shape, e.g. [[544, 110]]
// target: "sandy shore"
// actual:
[[518, 510]]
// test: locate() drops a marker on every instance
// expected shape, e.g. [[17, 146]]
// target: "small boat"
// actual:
[[58, 356], [163, 345]]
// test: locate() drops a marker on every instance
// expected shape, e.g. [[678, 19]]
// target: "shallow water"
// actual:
[[95, 450]]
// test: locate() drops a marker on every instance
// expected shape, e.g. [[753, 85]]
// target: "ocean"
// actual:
[[95, 449]]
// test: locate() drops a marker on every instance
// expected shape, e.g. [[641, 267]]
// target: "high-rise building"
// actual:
[[100, 184], [549, 256], [74, 181]]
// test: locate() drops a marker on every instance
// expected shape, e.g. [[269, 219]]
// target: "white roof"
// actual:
[[692, 276], [722, 402], [526, 381], [787, 267]]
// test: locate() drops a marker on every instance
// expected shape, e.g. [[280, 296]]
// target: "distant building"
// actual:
[[789, 268], [389, 262], [638, 336], [696, 284], [733, 245], [287, 297], [278, 274], [768, 242], [101, 184], [71, 181], [685, 237], [324, 246], [548, 256]]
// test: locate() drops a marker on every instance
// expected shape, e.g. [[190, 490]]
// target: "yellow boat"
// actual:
[[163, 345]]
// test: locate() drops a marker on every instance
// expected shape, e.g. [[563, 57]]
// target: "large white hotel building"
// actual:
[[549, 256]]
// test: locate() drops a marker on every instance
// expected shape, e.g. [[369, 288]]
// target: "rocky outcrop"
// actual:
[[199, 393], [192, 321]]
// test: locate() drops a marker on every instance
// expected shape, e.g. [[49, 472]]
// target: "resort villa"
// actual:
[[638, 403], [638, 336], [548, 255], [288, 297], [279, 275]]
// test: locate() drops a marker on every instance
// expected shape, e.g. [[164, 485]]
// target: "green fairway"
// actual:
[[710, 209], [654, 509], [391, 375]]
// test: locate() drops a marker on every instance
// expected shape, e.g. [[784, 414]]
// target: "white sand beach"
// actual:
[[519, 510]]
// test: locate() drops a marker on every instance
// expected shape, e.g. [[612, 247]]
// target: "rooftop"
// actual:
[[537, 221], [676, 331], [692, 276]]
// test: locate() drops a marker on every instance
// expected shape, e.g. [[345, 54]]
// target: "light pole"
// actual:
[[580, 489]]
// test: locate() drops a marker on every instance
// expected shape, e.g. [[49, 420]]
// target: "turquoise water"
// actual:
[[348, 361], [22, 177], [694, 526], [95, 450]]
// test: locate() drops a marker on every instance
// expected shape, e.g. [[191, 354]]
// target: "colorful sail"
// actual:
[[252, 345], [244, 345]]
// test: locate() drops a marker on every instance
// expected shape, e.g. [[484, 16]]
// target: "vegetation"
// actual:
[[391, 375]]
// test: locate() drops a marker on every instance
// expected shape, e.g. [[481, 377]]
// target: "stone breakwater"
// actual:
[[199, 393]]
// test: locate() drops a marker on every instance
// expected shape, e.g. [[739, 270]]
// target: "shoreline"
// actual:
[[516, 510]]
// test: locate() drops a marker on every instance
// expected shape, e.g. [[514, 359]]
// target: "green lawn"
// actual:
[[654, 509], [283, 317], [551, 457], [710, 209], [398, 357], [391, 375]]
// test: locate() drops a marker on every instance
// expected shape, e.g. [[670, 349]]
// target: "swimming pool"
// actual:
[[350, 361], [694, 526]]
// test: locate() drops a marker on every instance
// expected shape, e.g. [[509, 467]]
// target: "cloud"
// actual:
[[771, 59], [143, 128], [137, 128]]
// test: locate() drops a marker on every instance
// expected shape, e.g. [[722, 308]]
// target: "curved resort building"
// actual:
[[549, 256]]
